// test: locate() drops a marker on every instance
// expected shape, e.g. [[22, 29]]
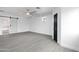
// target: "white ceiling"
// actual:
[[20, 11]]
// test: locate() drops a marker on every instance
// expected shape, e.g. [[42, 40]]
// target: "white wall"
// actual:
[[23, 24], [4, 24], [36, 24], [70, 28]]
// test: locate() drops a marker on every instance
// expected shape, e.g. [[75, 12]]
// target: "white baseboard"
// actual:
[[40, 33], [69, 47]]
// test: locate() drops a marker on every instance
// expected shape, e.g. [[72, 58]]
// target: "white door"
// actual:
[[13, 25]]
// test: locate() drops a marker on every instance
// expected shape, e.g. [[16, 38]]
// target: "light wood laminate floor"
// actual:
[[29, 42]]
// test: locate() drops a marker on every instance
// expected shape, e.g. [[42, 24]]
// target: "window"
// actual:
[[44, 19]]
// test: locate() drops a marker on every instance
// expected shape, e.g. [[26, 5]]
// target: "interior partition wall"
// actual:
[[8, 25]]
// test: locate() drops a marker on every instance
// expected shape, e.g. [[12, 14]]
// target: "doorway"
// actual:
[[55, 26], [7, 25], [13, 25]]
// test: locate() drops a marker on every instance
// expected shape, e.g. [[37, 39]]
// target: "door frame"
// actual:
[[55, 26], [58, 11]]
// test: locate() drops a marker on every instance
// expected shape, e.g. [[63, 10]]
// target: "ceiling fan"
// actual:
[[30, 12]]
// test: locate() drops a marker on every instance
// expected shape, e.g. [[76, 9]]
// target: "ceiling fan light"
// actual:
[[27, 13]]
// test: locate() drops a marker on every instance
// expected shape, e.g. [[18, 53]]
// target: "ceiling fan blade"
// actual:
[[33, 12], [1, 10]]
